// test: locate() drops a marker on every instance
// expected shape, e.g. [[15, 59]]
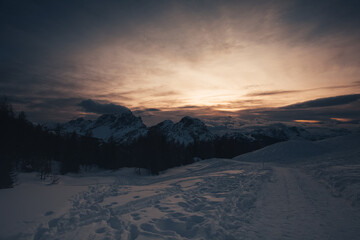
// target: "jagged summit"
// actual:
[[125, 128], [189, 121], [118, 120], [122, 126], [187, 131]]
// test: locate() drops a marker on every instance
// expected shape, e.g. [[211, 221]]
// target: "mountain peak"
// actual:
[[188, 130], [188, 121], [123, 126]]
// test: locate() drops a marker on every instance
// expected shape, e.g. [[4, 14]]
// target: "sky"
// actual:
[[254, 60]]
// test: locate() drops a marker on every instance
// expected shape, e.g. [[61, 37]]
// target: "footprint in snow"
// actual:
[[49, 213]]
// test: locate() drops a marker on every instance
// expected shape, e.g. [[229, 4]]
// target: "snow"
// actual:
[[102, 132], [123, 126], [294, 206], [305, 190], [184, 202], [335, 162], [186, 131], [289, 151], [32, 201]]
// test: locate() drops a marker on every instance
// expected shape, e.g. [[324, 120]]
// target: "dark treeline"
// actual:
[[28, 147]]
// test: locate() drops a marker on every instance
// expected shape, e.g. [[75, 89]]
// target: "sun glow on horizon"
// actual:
[[229, 72], [307, 121], [342, 119], [216, 63]]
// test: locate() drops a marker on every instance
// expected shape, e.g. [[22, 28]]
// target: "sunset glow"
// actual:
[[222, 58], [307, 121], [342, 119]]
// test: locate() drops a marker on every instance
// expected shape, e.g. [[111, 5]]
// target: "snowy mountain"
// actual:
[[278, 131], [186, 131], [283, 131], [267, 134], [126, 128], [123, 127]]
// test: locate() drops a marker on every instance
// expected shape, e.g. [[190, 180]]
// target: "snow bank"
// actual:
[[303, 150], [289, 151]]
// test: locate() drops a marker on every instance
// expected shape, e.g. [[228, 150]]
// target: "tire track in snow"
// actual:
[[295, 206]]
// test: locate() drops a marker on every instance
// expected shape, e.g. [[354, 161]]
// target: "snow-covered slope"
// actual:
[[334, 161], [123, 127], [186, 131], [301, 149], [289, 151]]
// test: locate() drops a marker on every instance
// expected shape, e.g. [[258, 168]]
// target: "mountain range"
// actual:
[[124, 127]]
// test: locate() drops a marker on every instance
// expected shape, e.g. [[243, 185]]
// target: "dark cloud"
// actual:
[[152, 110], [281, 92], [164, 94], [323, 109], [117, 96], [48, 103], [325, 102], [45, 109], [269, 93], [101, 108], [147, 111], [188, 107]]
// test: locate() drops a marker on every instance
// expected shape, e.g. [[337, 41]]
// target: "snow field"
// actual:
[[206, 200], [304, 192]]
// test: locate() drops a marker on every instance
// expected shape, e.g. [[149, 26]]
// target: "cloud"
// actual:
[[281, 92], [188, 107], [270, 93], [152, 110], [44, 109], [326, 102], [168, 54], [92, 106], [147, 111], [324, 109]]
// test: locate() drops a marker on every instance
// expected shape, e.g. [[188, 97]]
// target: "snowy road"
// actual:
[[212, 199], [295, 206]]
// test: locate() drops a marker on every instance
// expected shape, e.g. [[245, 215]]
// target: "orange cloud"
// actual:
[[307, 121], [342, 119]]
